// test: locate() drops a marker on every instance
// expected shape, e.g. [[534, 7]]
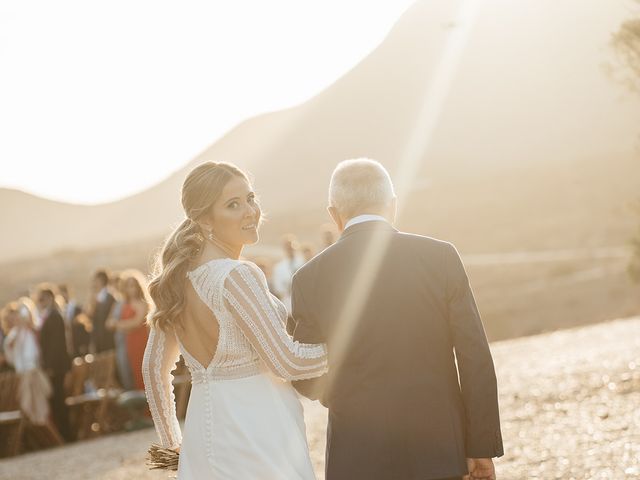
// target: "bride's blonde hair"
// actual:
[[200, 190]]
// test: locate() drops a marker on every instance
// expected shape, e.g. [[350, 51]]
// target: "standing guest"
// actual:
[[55, 360], [3, 358], [328, 235], [307, 251], [68, 308], [99, 309], [77, 321], [23, 352], [6, 324], [123, 364], [265, 265], [132, 322], [283, 270]]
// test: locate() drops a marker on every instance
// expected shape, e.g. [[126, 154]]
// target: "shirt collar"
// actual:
[[44, 314], [364, 218]]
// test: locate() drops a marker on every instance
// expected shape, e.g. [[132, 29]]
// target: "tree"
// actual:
[[627, 44]]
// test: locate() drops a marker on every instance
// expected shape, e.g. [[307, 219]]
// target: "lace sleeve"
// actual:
[[247, 298], [281, 310], [160, 357]]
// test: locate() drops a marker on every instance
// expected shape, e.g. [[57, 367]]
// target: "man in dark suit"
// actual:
[[101, 304], [411, 388], [54, 358], [78, 338]]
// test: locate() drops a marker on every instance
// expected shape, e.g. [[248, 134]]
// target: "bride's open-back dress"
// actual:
[[244, 419]]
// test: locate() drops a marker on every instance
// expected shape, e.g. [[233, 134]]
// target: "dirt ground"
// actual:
[[569, 400]]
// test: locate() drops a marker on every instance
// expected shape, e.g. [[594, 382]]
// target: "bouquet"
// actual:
[[163, 458]]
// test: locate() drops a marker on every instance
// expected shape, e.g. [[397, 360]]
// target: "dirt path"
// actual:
[[570, 404]]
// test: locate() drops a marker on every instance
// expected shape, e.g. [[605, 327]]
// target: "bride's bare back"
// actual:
[[200, 332]]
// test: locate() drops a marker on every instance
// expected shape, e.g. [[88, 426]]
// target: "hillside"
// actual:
[[521, 153]]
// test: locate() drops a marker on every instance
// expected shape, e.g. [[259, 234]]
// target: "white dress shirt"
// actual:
[[21, 348], [102, 295], [281, 277], [365, 218]]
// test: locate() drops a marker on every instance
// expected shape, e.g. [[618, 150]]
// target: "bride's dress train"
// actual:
[[244, 419]]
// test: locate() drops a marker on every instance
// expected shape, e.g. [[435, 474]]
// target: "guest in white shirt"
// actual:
[[23, 352], [21, 343], [283, 270]]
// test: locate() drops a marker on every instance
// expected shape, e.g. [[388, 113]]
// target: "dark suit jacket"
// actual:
[[102, 338], [397, 311], [53, 346], [80, 337]]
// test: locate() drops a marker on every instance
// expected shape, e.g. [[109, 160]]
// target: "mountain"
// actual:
[[535, 147]]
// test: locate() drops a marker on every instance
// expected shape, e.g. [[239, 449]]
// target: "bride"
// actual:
[[244, 419]]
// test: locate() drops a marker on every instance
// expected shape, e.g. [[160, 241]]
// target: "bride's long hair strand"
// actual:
[[202, 187]]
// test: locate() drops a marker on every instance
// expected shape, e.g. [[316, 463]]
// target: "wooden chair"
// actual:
[[94, 393], [37, 437], [11, 418], [74, 384], [80, 403]]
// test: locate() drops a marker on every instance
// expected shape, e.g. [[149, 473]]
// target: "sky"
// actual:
[[99, 100]]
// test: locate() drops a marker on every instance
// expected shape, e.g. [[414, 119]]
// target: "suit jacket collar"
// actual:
[[375, 225]]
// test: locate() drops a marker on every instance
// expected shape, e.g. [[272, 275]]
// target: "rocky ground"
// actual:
[[570, 404]]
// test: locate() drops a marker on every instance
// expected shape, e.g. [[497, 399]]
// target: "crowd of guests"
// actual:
[[42, 332]]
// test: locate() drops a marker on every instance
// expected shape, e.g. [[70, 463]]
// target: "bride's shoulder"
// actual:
[[245, 269], [205, 276], [226, 270], [246, 274]]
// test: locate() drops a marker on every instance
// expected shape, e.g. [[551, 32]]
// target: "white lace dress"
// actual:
[[244, 419]]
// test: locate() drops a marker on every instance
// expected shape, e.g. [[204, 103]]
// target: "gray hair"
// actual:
[[360, 186]]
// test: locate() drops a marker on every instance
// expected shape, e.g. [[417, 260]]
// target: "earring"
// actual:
[[210, 235]]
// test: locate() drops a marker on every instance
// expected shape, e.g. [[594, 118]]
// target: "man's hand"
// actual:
[[480, 469]]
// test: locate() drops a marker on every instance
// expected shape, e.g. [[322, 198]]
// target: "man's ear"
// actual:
[[336, 217]]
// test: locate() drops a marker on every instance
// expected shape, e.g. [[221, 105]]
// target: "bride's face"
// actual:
[[235, 216]]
